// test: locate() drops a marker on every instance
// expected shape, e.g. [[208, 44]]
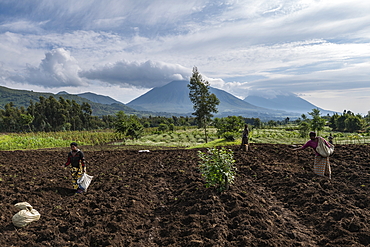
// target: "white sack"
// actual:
[[84, 181], [26, 215]]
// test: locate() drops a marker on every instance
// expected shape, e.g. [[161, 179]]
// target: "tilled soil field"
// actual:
[[159, 199]]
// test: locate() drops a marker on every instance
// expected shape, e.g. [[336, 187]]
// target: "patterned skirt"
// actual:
[[321, 166], [76, 173]]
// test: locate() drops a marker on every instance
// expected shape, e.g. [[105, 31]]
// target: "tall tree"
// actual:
[[340, 122], [317, 123], [128, 125], [12, 118], [354, 123], [228, 125], [204, 103]]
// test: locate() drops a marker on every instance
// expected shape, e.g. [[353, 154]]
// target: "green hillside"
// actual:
[[23, 97]]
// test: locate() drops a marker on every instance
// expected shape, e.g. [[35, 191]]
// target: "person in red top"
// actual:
[[321, 164], [76, 160]]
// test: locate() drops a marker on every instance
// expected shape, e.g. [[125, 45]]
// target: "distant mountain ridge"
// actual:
[[174, 97], [99, 98], [23, 97], [286, 102]]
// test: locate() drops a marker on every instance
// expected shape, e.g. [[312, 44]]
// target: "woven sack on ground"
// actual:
[[26, 215]]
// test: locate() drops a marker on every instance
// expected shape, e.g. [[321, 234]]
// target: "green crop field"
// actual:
[[182, 138]]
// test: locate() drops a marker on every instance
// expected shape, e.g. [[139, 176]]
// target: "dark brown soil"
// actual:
[[159, 199]]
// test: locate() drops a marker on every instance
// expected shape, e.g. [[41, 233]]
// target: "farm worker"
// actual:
[[77, 161], [321, 164], [245, 137], [330, 138]]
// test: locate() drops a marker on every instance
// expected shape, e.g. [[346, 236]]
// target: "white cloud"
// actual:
[[355, 100], [239, 45], [57, 69], [147, 74], [23, 26]]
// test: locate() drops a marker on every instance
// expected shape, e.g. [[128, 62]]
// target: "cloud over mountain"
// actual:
[[147, 74]]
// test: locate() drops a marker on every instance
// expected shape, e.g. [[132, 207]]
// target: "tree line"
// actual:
[[346, 122], [50, 114]]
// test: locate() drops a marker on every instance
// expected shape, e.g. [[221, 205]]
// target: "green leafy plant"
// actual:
[[218, 167], [128, 126], [229, 136]]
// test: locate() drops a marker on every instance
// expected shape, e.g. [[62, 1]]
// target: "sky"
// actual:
[[316, 49]]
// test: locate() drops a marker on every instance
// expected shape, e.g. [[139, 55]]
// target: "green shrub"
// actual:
[[229, 136], [218, 167], [163, 127]]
